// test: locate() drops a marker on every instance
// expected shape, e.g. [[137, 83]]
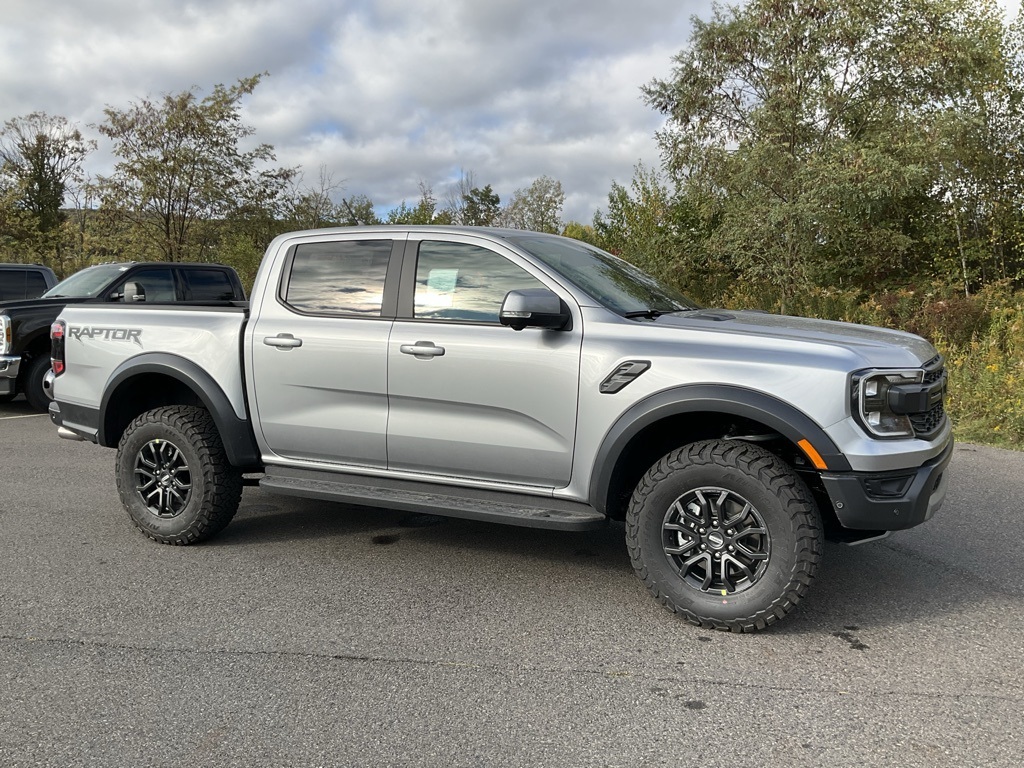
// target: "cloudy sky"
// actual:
[[382, 94]]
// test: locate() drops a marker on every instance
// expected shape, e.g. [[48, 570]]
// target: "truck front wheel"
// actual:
[[724, 534], [33, 382], [173, 475]]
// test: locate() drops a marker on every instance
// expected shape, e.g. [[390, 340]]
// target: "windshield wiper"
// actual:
[[650, 314]]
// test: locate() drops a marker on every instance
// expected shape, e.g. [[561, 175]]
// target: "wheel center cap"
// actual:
[[716, 540]]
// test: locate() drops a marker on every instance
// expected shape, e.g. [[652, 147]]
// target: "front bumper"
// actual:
[[889, 501], [10, 366]]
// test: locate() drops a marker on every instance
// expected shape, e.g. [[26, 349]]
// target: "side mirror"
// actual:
[[133, 292], [534, 308]]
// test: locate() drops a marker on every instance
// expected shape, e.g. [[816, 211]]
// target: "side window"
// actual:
[[338, 278], [207, 285], [35, 284], [157, 282], [462, 282], [12, 284]]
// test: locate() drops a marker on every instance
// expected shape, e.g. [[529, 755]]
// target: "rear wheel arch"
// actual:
[[154, 380], [675, 417]]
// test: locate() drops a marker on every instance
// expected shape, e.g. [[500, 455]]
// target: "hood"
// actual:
[[876, 346]]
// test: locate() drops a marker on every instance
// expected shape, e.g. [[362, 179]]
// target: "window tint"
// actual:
[[208, 285], [457, 281], [12, 284], [35, 284], [343, 278], [157, 282]]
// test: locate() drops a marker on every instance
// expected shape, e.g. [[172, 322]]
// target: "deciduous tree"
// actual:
[[181, 164]]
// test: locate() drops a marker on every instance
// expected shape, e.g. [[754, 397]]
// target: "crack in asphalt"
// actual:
[[440, 663]]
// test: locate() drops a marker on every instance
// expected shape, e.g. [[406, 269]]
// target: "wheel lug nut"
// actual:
[[703, 530]]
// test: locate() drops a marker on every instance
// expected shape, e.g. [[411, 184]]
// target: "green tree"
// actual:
[[537, 208], [470, 205], [815, 130], [41, 160], [359, 209], [482, 207], [181, 167], [424, 212]]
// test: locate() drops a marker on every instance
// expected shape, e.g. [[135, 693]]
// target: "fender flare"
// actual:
[[236, 434], [776, 414]]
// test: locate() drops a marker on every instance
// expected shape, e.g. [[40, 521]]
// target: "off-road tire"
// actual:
[[33, 383], [665, 539], [173, 475]]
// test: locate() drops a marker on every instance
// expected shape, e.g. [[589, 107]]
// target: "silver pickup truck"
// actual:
[[519, 378]]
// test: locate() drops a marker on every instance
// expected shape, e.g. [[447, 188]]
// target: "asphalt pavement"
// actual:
[[315, 634]]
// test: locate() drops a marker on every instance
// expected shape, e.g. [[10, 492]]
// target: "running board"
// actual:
[[448, 501]]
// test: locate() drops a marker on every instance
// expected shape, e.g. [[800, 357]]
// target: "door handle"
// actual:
[[422, 350], [282, 340]]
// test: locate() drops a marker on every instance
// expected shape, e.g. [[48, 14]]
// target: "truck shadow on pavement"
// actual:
[[893, 582]]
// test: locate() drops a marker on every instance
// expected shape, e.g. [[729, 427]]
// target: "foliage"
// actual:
[[819, 131], [180, 165], [482, 207], [537, 207], [424, 212], [41, 159], [359, 210]]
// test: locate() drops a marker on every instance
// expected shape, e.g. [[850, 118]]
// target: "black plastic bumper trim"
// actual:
[[858, 509]]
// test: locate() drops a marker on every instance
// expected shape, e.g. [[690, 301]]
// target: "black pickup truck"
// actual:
[[25, 325], [25, 281]]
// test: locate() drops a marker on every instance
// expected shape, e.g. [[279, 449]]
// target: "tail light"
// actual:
[[57, 332]]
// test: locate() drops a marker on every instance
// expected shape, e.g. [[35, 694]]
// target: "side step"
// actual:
[[448, 501]]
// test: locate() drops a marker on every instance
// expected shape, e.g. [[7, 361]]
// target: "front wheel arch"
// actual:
[[673, 417]]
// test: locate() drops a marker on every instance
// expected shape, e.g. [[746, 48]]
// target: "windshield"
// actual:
[[87, 283], [612, 282]]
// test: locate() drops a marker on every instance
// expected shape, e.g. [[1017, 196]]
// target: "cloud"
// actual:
[[382, 94]]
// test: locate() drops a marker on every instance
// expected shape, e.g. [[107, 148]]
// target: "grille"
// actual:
[[927, 423]]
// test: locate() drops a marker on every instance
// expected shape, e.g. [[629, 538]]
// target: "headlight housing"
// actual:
[[877, 401], [5, 334]]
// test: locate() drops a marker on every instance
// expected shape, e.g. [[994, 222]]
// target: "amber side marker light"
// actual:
[[813, 455]]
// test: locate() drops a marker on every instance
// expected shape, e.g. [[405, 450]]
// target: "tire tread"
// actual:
[[780, 481]]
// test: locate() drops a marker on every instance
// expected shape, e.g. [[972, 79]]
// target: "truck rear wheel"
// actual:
[[724, 534], [173, 475]]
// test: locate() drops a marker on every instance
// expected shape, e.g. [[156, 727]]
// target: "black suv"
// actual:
[[25, 324], [25, 281]]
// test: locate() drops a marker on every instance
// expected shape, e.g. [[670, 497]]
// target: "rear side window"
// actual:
[[21, 284], [338, 278], [12, 284], [35, 284], [208, 285]]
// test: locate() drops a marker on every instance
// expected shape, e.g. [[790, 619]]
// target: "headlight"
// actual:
[[5, 334], [873, 405]]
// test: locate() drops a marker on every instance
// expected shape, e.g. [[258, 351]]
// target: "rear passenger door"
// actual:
[[318, 351]]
